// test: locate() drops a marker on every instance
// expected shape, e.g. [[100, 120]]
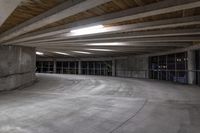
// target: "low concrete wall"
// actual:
[[17, 66], [132, 66]]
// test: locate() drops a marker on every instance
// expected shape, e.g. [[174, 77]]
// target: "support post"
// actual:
[[114, 67], [54, 66], [79, 68], [191, 67]]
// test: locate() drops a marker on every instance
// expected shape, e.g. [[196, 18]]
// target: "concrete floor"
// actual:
[[92, 104]]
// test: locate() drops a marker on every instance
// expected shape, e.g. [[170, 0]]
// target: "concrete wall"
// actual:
[[132, 66], [17, 66]]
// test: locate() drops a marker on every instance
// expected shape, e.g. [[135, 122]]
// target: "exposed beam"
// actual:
[[144, 34], [116, 50], [60, 12], [168, 23], [129, 44], [6, 8], [147, 39], [186, 39], [108, 55], [160, 33]]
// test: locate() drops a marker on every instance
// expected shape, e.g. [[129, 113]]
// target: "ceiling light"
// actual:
[[81, 52], [39, 53], [101, 49], [107, 44], [61, 53], [92, 30], [88, 30]]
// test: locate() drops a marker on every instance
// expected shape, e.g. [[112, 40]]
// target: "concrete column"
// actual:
[[87, 68], [54, 66], [94, 68], [113, 67], [17, 66], [79, 67], [42, 66], [191, 67]]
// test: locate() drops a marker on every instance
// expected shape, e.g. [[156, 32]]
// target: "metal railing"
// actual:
[[83, 71], [132, 73], [180, 76]]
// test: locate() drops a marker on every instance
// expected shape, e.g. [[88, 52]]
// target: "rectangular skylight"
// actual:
[[39, 53], [81, 52], [61, 53]]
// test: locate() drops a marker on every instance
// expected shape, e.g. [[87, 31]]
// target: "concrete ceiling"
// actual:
[[139, 26]]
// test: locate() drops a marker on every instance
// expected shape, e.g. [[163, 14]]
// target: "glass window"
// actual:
[[172, 67]]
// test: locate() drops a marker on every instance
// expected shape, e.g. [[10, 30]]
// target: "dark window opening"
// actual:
[[171, 67]]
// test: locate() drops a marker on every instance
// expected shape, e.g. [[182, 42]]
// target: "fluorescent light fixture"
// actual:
[[81, 52], [88, 30], [105, 50], [92, 30], [61, 53], [39, 53], [107, 44]]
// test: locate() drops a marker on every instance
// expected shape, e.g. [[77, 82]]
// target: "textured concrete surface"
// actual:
[[92, 104], [17, 66], [132, 66]]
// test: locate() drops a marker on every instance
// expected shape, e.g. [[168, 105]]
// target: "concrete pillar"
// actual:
[[79, 67], [147, 67], [113, 67], [17, 66], [54, 66], [191, 67]]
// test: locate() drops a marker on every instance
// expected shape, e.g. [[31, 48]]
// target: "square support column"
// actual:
[[54, 66], [114, 67], [79, 67], [191, 67], [17, 67]]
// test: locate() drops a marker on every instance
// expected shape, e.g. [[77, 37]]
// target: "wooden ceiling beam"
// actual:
[[146, 39], [183, 39], [162, 7], [143, 34], [168, 23], [114, 49], [129, 44], [60, 12]]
